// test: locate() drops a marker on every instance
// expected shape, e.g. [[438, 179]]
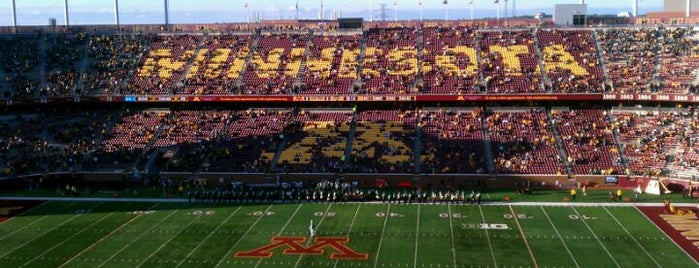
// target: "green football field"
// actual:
[[176, 234]]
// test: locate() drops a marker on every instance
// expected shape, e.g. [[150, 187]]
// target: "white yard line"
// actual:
[[67, 238], [597, 238], [524, 237], [207, 237], [632, 237], [105, 237], [29, 224], [228, 253], [417, 235], [137, 238], [451, 231], [487, 236], [383, 229], [283, 228], [667, 235], [42, 234], [350, 228], [309, 240], [560, 237], [162, 245]]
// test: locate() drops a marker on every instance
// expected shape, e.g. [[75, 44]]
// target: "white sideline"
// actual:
[[490, 203]]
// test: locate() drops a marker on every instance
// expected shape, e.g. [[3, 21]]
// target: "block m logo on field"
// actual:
[[293, 246]]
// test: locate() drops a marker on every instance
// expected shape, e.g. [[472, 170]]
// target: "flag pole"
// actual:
[[470, 4], [420, 3], [395, 10], [247, 12]]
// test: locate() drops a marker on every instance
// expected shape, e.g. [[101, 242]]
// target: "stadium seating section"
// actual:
[[386, 60]]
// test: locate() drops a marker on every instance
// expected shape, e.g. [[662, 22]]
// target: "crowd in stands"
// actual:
[[588, 141], [630, 58], [523, 143], [446, 140], [449, 61], [112, 58], [571, 61], [390, 61], [274, 65], [160, 72], [192, 133], [452, 141], [316, 142], [19, 57], [508, 62], [218, 65], [331, 64], [443, 59], [679, 61], [252, 139], [648, 136], [383, 142]]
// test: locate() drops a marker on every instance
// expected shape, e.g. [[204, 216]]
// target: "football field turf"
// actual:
[[175, 234]]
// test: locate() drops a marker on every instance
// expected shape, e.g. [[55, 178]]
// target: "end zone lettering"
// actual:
[[294, 246]]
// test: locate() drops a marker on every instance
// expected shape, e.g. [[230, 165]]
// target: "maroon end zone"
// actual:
[[680, 228], [11, 208]]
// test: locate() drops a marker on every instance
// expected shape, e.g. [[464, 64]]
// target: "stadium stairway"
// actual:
[[350, 141], [278, 153], [617, 141], [302, 68], [40, 70], [417, 148], [605, 72], [479, 59], [253, 48], [79, 86], [420, 46], [540, 57], [559, 143], [487, 146], [360, 62], [658, 62], [188, 66]]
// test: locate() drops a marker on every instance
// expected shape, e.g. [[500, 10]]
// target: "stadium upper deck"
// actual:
[[408, 63]]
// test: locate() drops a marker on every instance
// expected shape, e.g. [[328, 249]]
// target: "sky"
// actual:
[[37, 12]]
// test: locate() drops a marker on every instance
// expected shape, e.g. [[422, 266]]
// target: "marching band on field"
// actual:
[[332, 192]]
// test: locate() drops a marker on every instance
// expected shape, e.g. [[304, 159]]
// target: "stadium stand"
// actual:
[[522, 142], [160, 71], [571, 60], [630, 58], [331, 64], [449, 61], [508, 62], [452, 140], [111, 58], [587, 137], [383, 142], [217, 65], [390, 61], [408, 85], [250, 143], [275, 62]]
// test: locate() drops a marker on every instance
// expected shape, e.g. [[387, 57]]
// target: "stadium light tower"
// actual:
[[116, 12], [14, 14], [65, 11], [167, 12], [635, 8], [688, 12]]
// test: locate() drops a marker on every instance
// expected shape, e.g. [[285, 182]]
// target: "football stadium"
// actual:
[[400, 133]]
